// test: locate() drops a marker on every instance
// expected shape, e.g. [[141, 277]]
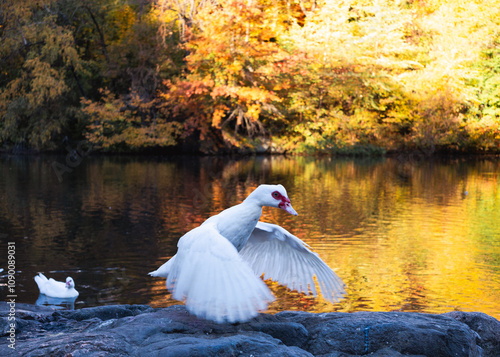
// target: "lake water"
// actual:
[[404, 233]]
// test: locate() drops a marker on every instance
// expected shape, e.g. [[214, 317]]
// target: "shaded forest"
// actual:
[[215, 76]]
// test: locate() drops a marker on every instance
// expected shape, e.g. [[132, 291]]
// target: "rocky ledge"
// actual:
[[140, 330]]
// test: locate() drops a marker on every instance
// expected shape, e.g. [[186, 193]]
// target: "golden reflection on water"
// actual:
[[428, 241], [409, 235]]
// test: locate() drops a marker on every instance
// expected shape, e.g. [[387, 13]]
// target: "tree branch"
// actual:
[[101, 34]]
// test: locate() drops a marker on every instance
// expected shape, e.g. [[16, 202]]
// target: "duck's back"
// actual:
[[237, 223]]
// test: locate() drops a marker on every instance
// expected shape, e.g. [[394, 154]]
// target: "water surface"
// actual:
[[404, 233]]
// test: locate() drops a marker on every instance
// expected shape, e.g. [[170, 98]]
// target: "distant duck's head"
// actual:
[[70, 284], [272, 196]]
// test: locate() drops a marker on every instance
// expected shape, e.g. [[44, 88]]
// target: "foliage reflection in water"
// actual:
[[404, 235]]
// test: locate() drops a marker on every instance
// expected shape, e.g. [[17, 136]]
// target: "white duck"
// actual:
[[56, 289], [217, 266]]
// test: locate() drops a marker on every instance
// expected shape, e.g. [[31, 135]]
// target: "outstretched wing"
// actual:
[[211, 277], [281, 256]]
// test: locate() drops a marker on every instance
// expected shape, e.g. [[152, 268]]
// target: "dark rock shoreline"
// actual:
[[140, 330]]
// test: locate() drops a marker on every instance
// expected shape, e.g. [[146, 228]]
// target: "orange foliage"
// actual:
[[230, 70]]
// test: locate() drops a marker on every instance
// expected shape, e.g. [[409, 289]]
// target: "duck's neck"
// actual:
[[237, 223]]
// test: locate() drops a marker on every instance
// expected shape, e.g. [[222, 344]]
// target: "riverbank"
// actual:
[[140, 330]]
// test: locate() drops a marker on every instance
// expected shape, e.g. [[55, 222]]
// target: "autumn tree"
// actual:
[[389, 74], [42, 74], [127, 114], [57, 54], [230, 73], [116, 127]]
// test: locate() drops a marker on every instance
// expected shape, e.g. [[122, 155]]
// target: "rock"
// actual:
[[103, 312], [485, 326], [139, 330], [363, 333]]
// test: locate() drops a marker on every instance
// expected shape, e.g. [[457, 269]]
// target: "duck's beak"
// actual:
[[287, 206]]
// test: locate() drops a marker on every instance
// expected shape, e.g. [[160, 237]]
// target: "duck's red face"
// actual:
[[69, 283], [284, 202]]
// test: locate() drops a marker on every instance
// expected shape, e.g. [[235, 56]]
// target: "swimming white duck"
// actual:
[[56, 289], [217, 266]]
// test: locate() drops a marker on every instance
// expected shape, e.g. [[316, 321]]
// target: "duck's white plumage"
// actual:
[[267, 247], [56, 289], [218, 265]]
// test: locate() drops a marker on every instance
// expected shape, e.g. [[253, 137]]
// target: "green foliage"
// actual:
[[484, 129], [490, 80]]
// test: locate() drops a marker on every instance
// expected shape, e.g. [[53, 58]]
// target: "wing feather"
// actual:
[[212, 278], [281, 256]]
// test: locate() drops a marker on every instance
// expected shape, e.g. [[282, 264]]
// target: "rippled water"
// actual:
[[405, 233]]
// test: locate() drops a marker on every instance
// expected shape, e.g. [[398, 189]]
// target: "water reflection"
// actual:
[[404, 235], [56, 303]]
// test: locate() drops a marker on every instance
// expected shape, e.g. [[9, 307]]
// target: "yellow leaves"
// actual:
[[253, 95], [484, 133], [47, 83], [116, 127], [123, 18], [217, 116], [253, 111]]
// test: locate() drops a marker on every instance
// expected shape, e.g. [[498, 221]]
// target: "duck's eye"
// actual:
[[276, 195]]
